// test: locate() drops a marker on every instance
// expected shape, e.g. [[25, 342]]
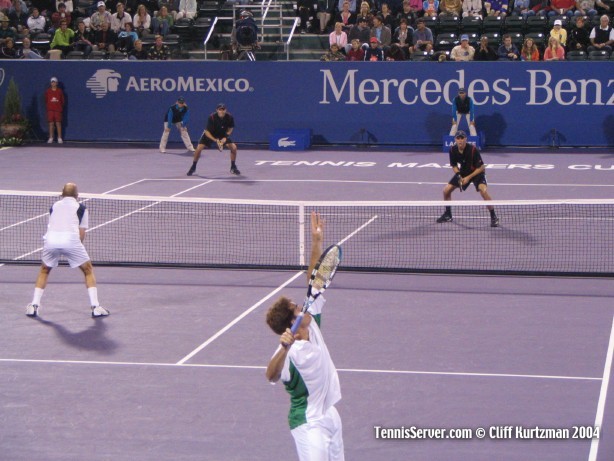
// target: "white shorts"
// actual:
[[75, 254], [320, 440]]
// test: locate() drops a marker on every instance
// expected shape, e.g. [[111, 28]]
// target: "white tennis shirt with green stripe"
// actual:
[[309, 374]]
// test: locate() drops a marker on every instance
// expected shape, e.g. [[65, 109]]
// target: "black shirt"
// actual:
[[468, 161], [219, 126]]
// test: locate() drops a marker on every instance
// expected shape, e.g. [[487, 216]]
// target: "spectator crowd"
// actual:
[[52, 28], [452, 30], [396, 30]]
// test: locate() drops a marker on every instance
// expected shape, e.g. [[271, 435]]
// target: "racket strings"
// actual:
[[326, 271]]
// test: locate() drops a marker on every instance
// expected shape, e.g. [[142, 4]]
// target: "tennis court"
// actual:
[[177, 371]]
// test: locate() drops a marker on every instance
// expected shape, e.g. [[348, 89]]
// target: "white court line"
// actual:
[[592, 456], [341, 370], [358, 230], [343, 181], [237, 319], [459, 373], [106, 223], [258, 304]]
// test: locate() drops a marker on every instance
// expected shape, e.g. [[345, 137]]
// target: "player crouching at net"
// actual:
[[68, 220], [220, 125], [468, 167], [303, 363]]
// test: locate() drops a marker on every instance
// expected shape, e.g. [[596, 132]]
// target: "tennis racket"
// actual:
[[459, 179], [320, 279], [220, 145]]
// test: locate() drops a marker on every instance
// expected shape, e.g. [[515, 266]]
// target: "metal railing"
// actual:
[[290, 36], [265, 6], [209, 36]]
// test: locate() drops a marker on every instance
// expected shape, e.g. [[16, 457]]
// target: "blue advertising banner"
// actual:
[[522, 104]]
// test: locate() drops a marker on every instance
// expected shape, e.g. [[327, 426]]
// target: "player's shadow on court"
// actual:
[[434, 229], [91, 339], [179, 152]]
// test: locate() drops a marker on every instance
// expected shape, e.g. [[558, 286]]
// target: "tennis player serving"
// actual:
[[466, 161], [303, 363], [68, 220]]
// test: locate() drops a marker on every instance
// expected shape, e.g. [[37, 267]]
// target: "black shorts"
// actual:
[[207, 142], [476, 180]]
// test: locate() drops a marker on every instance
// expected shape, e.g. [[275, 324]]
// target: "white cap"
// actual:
[[100, 4], [54, 79], [558, 22]]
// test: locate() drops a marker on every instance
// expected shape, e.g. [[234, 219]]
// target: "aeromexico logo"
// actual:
[[103, 82], [106, 81]]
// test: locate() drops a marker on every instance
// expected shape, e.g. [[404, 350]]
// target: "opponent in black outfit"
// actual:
[[220, 125], [466, 161]]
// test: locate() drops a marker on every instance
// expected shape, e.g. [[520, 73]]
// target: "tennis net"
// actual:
[[573, 237]]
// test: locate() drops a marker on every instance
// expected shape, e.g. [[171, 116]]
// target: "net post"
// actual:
[[301, 233]]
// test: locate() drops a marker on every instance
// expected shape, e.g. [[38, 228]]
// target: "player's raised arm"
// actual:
[[317, 236]]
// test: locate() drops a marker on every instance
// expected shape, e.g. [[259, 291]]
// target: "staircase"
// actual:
[[275, 20]]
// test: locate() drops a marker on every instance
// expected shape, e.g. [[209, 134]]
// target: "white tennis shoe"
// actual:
[[32, 310], [99, 311]]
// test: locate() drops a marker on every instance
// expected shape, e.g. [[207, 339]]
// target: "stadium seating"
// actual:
[[421, 56], [536, 24], [514, 24], [494, 39], [492, 24], [517, 38], [183, 28], [173, 41], [41, 42], [448, 24], [445, 41], [598, 55], [576, 55], [432, 23], [474, 38], [200, 29], [75, 55], [471, 24], [97, 55], [118, 56], [187, 35]]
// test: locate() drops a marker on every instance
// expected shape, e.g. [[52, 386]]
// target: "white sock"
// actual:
[[38, 294], [93, 294]]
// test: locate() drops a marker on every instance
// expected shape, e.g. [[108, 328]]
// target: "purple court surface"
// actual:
[[177, 371]]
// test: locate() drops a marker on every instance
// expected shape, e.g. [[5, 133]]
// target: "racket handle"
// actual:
[[297, 322]]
